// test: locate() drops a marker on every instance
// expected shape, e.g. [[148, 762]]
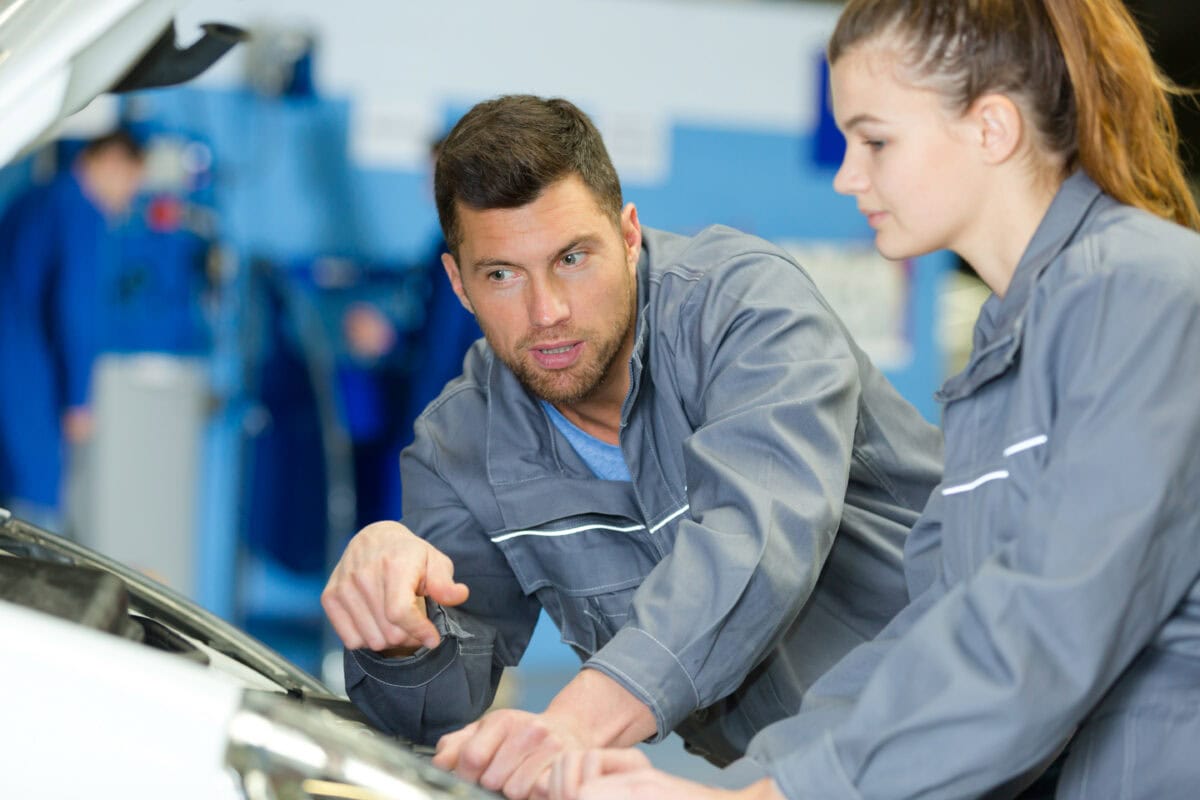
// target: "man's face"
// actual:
[[113, 178], [553, 286]]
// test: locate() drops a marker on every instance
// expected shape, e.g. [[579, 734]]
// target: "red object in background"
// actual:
[[164, 214]]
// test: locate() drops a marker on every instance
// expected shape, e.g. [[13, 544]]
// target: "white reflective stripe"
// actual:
[[571, 531], [1033, 441], [982, 479], [568, 531], [672, 516]]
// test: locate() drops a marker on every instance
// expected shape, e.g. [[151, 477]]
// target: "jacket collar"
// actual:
[[641, 334], [1001, 321]]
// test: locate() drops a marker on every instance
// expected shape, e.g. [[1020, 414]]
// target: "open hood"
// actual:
[[147, 695], [56, 55]]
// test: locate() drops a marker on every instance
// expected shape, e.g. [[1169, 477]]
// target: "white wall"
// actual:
[[638, 64]]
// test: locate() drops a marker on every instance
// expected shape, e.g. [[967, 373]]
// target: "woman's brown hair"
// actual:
[[1081, 68]]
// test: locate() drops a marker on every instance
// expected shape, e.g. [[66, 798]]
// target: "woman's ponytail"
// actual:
[[1127, 138]]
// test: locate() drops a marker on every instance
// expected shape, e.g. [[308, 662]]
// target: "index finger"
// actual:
[[450, 745], [477, 751], [439, 584], [404, 607]]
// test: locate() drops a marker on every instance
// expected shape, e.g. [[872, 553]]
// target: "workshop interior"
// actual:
[[275, 314]]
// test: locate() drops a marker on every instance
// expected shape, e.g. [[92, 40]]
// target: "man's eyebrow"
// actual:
[[583, 240], [491, 263], [580, 241]]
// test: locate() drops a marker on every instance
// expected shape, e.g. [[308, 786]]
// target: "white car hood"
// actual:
[[56, 55], [112, 701]]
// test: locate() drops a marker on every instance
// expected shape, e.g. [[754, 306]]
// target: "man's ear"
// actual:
[[452, 272], [631, 233], [1001, 126]]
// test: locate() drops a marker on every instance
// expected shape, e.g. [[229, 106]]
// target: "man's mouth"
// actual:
[[556, 355]]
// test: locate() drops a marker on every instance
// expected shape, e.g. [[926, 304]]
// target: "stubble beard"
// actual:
[[577, 382]]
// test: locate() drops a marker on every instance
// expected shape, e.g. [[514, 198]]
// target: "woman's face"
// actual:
[[910, 161]]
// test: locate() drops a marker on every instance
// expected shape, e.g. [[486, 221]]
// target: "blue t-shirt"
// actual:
[[603, 459]]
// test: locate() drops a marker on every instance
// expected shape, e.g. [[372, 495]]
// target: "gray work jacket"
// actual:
[[763, 447], [1067, 542]]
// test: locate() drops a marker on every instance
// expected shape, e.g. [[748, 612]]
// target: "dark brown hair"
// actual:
[[119, 139], [1082, 70], [505, 151]]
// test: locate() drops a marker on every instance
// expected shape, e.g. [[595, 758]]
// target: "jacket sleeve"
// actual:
[[771, 387], [86, 249], [434, 692], [827, 703], [923, 547], [992, 679]]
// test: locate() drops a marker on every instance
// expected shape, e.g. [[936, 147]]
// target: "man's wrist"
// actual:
[[648, 670], [601, 712]]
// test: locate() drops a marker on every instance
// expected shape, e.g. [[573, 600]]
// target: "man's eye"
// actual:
[[500, 275], [573, 259]]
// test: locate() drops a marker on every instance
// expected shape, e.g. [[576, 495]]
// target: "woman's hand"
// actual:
[[627, 775]]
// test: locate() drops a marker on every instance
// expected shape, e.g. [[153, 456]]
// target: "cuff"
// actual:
[[814, 772], [422, 666], [650, 672]]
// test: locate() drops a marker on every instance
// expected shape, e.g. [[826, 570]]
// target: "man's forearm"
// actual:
[[602, 711]]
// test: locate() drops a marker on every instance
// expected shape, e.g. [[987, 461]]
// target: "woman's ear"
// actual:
[[1000, 125]]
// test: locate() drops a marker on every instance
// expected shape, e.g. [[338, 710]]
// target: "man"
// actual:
[[54, 245], [671, 445]]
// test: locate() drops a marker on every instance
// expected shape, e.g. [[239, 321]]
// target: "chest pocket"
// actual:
[[978, 489], [988, 483], [584, 571]]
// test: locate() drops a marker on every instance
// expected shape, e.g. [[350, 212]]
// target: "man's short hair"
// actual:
[[120, 139], [505, 151]]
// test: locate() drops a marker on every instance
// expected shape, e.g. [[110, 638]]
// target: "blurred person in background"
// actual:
[[448, 331], [55, 247], [410, 368]]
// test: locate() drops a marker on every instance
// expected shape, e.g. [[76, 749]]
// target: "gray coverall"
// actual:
[[1065, 543], [775, 475]]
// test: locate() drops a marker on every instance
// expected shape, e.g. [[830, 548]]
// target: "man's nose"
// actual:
[[548, 304]]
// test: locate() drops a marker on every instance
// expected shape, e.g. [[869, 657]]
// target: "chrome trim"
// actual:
[[279, 748]]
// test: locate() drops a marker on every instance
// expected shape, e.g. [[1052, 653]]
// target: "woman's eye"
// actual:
[[874, 144]]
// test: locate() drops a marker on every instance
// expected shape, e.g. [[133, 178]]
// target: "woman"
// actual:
[[1054, 574]]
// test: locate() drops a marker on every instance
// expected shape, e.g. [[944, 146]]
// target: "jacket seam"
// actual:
[[678, 663]]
